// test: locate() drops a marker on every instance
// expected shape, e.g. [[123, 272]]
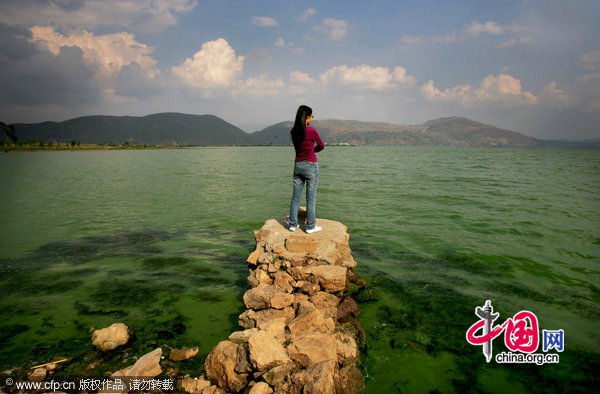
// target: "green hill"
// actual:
[[171, 129], [453, 131], [174, 129]]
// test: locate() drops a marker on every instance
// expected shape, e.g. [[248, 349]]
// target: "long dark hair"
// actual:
[[298, 132]]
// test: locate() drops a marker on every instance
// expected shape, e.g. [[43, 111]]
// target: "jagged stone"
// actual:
[[220, 367], [242, 336], [261, 388], [310, 322], [319, 378], [252, 318], [265, 351], [276, 376], [260, 297], [350, 380], [243, 364], [253, 257], [331, 278], [282, 300], [326, 302], [276, 327], [347, 308], [312, 349], [346, 348], [283, 280], [147, 366]]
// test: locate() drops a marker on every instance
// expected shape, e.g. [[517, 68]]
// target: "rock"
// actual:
[[310, 322], [347, 308], [276, 327], [37, 375], [332, 278], [194, 385], [283, 280], [260, 297], [276, 376], [147, 366], [220, 365], [320, 378], [261, 388], [355, 280], [252, 318], [253, 257], [353, 328], [350, 380], [346, 348], [183, 353], [282, 300], [110, 337], [326, 302], [300, 244], [263, 277], [265, 351], [242, 336], [311, 349], [243, 362]]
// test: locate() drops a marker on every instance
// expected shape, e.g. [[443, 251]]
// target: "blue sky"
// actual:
[[529, 66]]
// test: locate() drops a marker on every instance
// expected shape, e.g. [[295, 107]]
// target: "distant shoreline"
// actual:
[[99, 147]]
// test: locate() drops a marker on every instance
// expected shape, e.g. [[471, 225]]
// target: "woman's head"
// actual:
[[303, 115]]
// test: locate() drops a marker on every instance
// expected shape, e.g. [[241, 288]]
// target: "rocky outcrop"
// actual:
[[300, 330]]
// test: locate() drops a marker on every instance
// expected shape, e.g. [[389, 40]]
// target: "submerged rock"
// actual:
[[183, 353], [110, 337]]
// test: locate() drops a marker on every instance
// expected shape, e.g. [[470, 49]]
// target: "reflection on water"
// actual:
[[158, 240]]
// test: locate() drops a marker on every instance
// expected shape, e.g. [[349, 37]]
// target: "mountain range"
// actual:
[[175, 129]]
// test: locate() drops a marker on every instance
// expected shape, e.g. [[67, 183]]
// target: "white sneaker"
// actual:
[[294, 228], [314, 230]]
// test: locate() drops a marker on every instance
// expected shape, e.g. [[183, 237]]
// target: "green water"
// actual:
[[158, 240]]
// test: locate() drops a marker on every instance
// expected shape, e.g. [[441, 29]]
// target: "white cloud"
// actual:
[[365, 77], [336, 29], [107, 53], [300, 82], [490, 27], [475, 29], [590, 61], [215, 65], [515, 42], [259, 87], [301, 78], [264, 21], [282, 44], [500, 90], [409, 42], [143, 15], [307, 14], [552, 96]]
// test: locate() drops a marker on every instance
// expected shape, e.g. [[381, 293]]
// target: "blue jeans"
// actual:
[[305, 172]]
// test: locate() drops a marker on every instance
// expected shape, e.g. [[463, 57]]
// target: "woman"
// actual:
[[306, 168]]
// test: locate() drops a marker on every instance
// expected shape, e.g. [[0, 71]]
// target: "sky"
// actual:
[[531, 66]]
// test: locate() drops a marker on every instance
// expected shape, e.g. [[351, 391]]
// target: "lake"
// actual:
[[158, 239]]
